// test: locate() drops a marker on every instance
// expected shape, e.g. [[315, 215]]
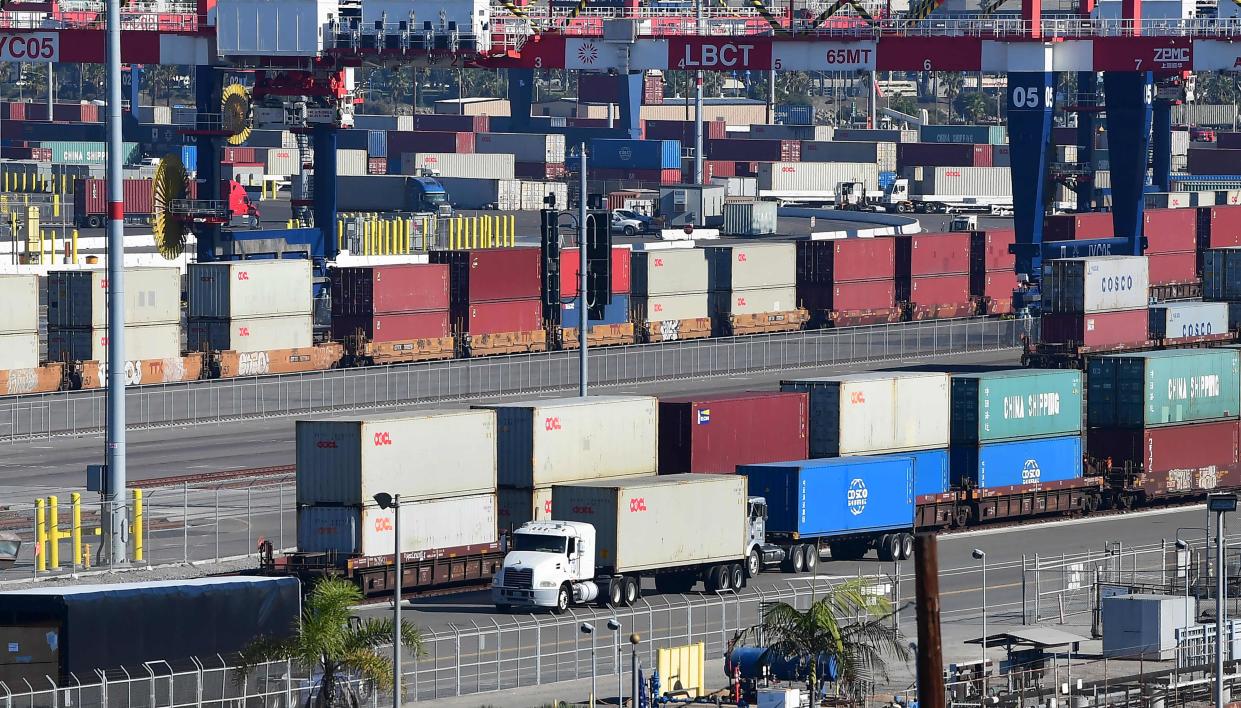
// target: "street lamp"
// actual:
[[588, 628], [1183, 547], [388, 501], [634, 674], [615, 625], [979, 555], [1220, 504]]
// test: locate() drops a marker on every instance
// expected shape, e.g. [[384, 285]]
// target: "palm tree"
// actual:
[[334, 645], [849, 626]]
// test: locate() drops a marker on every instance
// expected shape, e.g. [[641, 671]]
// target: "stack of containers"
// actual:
[[754, 150], [1014, 427], [993, 274], [616, 324], [538, 155], [1221, 280], [19, 321], [1095, 303], [933, 274], [715, 434], [882, 154], [642, 160], [847, 281], [1172, 321], [449, 164], [669, 297], [1169, 416], [1171, 246], [250, 306], [448, 500], [493, 291], [1077, 227], [751, 284], [884, 412], [77, 314], [567, 440], [392, 305], [1217, 227]]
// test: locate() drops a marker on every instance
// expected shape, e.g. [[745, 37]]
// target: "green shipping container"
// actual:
[[1015, 403], [87, 152], [1162, 388]]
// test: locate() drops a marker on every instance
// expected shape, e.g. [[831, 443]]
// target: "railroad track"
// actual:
[[248, 474]]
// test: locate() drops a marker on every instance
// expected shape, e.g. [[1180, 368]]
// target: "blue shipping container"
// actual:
[[835, 496], [377, 143], [886, 179], [635, 154], [1020, 462], [930, 471], [352, 139], [189, 157], [616, 313], [790, 114]]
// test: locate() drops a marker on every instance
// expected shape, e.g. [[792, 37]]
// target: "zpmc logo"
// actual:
[[552, 423], [383, 439], [857, 496]]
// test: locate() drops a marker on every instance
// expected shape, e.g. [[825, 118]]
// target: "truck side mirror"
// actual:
[[572, 547]]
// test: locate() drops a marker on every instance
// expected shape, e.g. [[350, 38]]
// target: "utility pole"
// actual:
[[698, 171], [930, 660], [114, 439], [583, 307]]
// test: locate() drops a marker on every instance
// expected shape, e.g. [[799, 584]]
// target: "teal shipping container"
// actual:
[[87, 152], [1162, 388], [1013, 404], [976, 134]]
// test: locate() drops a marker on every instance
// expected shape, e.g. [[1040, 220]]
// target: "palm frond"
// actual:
[[370, 665]]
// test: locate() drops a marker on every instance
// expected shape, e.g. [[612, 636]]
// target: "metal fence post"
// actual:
[[1038, 590], [217, 523], [249, 526], [1025, 612], [280, 508], [538, 654], [185, 522]]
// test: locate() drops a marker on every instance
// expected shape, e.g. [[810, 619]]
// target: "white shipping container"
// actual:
[[422, 455], [153, 341], [256, 288], [649, 523], [272, 27], [756, 265], [738, 186], [533, 194], [429, 525], [569, 439], [1178, 320], [250, 334], [670, 308], [754, 301], [517, 506], [964, 181], [750, 218], [481, 193], [670, 271], [351, 162], [79, 298], [19, 351], [1169, 200], [524, 147], [882, 154], [877, 412], [815, 176], [19, 304], [448, 164], [1202, 198], [1095, 284], [284, 162]]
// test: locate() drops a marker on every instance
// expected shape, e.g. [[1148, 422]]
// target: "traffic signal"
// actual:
[[549, 249], [598, 262]]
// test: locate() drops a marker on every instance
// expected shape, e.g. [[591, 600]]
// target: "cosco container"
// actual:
[[665, 308], [635, 154], [875, 412], [814, 177], [517, 506], [447, 164], [19, 303], [79, 298], [835, 496], [714, 434], [405, 287], [253, 288], [1095, 284], [749, 218], [559, 440], [648, 523], [743, 267], [346, 461], [155, 341], [1221, 274], [524, 147], [491, 274], [1174, 459], [1013, 404], [670, 271], [19, 351], [1029, 462], [455, 523], [1180, 320], [755, 301], [250, 334], [1162, 387], [930, 472]]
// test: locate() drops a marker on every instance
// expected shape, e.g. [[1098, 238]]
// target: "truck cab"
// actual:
[[427, 195]]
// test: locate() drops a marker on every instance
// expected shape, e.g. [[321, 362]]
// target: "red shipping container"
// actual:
[[376, 165], [719, 168], [569, 273], [1174, 459], [90, 197], [746, 169], [502, 316], [239, 154], [714, 434], [16, 110], [1101, 329], [452, 123], [933, 254], [491, 274], [1077, 227], [845, 260], [405, 287], [853, 296], [41, 154], [1170, 230], [941, 295], [401, 142], [1219, 227], [989, 250], [997, 288], [942, 155], [1173, 268], [393, 326], [753, 150], [540, 170]]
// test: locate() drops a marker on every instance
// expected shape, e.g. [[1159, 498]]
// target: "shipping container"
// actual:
[[517, 506], [978, 134], [843, 260], [683, 131], [499, 316], [377, 144], [1161, 201], [380, 327], [1174, 459], [152, 341], [250, 334], [351, 162], [1212, 160], [1095, 284], [1099, 330], [882, 154], [876, 135], [943, 155], [1221, 274], [1181, 320], [491, 274], [401, 143], [795, 113], [939, 296], [875, 412], [483, 193], [636, 154], [1162, 387], [996, 290], [19, 303], [715, 433], [805, 133], [551, 441], [614, 313], [426, 525], [753, 301], [570, 275], [670, 271], [817, 177], [1014, 404], [448, 122], [702, 519], [85, 151], [931, 475], [79, 298], [960, 181], [754, 150], [989, 250], [751, 218], [252, 288], [524, 147], [1022, 462], [838, 496], [933, 254], [404, 287], [851, 296], [1173, 268], [447, 164], [670, 308], [1219, 227], [248, 155], [748, 266], [19, 351], [282, 162]]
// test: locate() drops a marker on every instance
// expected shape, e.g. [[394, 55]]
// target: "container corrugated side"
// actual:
[[1095, 284], [930, 470], [429, 525], [1174, 459], [668, 308], [835, 496], [524, 147], [1028, 462], [1162, 387], [19, 351], [571, 439], [1180, 320], [749, 218], [667, 272], [815, 176], [79, 298], [254, 288], [19, 303], [754, 301], [649, 523], [250, 334], [424, 455], [142, 342], [1014, 404], [715, 433], [448, 164], [745, 266], [517, 506], [1221, 272]]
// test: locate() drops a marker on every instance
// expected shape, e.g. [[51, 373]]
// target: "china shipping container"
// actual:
[[499, 316], [1014, 404], [814, 176], [835, 497], [79, 298], [1162, 387], [153, 341], [746, 266], [570, 275], [1175, 459], [875, 412], [1097, 284], [405, 287], [459, 522], [1097, 330], [525, 147], [883, 154], [670, 271], [447, 164], [19, 303], [635, 154], [978, 134], [753, 301], [715, 433], [19, 350], [1023, 462], [491, 274], [253, 288], [382, 327], [933, 254], [845, 260], [1221, 274], [669, 308], [1181, 320], [569, 439]]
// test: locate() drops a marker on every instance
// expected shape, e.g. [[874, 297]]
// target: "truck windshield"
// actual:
[[538, 543], [435, 199]]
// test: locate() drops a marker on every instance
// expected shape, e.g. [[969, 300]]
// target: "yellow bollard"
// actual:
[[512, 231], [23, 185], [6, 183], [340, 238], [56, 209], [40, 537], [137, 529], [75, 249], [75, 531], [53, 533]]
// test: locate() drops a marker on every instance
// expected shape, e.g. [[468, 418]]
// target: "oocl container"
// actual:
[[1162, 387], [839, 495], [541, 443], [755, 301], [19, 303], [1179, 320], [250, 334], [669, 271], [1095, 284], [664, 308], [254, 288], [1021, 462], [875, 412], [157, 341], [714, 434], [741, 267], [815, 176], [1175, 459], [1013, 404], [455, 523], [405, 287], [79, 298], [517, 506], [570, 275], [447, 164]]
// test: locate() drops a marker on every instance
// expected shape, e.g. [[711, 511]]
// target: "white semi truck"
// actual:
[[898, 198]]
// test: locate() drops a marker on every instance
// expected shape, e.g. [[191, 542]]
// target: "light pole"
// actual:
[[1220, 504], [387, 501], [583, 362], [979, 555], [615, 625], [634, 674], [588, 628], [1183, 546]]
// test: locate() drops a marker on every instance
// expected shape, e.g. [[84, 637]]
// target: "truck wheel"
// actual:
[[633, 591], [753, 563], [810, 552], [711, 579], [616, 591], [737, 571], [630, 231], [907, 546], [798, 560], [94, 222], [723, 579], [562, 599], [884, 548]]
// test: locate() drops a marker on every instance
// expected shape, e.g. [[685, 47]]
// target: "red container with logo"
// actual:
[[235, 155], [401, 142], [714, 434], [405, 287], [501, 316], [1100, 330], [1218, 226], [844, 260], [937, 296], [1170, 230], [1173, 268], [1077, 227], [989, 250], [933, 254], [569, 278], [540, 171], [393, 326], [490, 274], [1175, 459], [376, 165]]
